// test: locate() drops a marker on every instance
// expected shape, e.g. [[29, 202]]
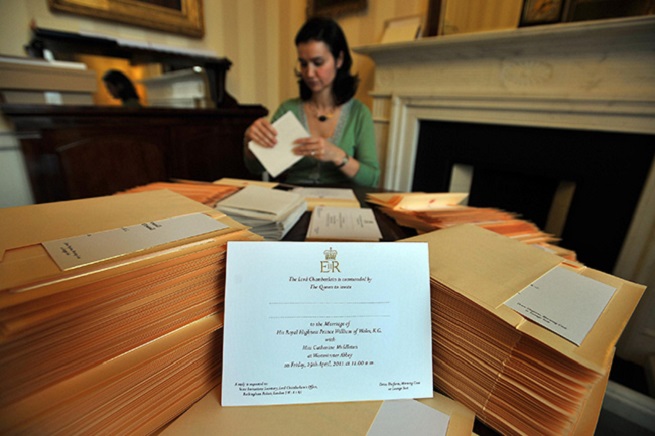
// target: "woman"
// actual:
[[341, 147], [121, 87]]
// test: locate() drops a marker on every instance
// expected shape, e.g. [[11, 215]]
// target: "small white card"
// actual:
[[410, 417], [279, 158], [310, 322], [83, 250], [564, 302], [343, 224]]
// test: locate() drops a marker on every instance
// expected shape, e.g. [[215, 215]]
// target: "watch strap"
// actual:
[[344, 161]]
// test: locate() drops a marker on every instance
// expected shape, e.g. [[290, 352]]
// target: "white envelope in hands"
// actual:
[[279, 158]]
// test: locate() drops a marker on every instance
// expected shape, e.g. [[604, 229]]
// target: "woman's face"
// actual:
[[318, 68]]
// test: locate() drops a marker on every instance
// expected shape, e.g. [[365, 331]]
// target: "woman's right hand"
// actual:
[[262, 132]]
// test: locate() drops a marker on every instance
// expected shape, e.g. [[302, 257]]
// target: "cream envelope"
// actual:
[[277, 159], [417, 201], [24, 261], [460, 259], [244, 182], [208, 417], [335, 197]]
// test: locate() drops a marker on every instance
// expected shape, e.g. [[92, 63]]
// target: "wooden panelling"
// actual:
[[83, 151]]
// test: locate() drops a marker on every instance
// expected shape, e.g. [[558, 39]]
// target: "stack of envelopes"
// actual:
[[435, 211], [120, 345], [331, 197], [427, 212], [270, 213], [204, 192], [518, 377]]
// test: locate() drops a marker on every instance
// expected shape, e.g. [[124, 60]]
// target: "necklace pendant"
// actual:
[[322, 118]]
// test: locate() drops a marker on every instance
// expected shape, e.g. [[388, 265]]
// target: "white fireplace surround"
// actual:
[[596, 75]]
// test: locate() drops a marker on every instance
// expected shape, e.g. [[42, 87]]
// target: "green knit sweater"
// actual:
[[354, 134]]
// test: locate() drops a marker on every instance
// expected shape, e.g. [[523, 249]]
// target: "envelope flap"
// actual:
[[460, 258], [30, 225]]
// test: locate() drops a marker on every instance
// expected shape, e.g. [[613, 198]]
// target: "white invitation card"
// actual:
[[309, 322], [343, 224]]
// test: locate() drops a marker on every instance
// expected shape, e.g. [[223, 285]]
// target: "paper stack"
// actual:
[[206, 193], [332, 197], [517, 375], [123, 340], [270, 213], [427, 212]]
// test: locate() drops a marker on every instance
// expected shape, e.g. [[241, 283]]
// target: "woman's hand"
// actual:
[[320, 149], [262, 132]]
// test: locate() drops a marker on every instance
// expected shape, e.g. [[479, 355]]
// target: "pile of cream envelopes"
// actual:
[[517, 376], [121, 345]]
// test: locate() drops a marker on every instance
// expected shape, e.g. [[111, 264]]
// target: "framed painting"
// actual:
[[582, 10], [541, 12], [333, 8], [183, 17]]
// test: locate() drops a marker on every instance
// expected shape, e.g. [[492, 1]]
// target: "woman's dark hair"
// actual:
[[124, 85], [328, 31]]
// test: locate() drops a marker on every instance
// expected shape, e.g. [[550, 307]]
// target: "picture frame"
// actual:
[[541, 12], [184, 17], [333, 8], [583, 10], [402, 29]]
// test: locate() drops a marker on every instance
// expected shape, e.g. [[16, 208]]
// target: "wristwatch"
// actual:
[[345, 160]]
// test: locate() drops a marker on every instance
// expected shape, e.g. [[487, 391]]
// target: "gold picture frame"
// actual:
[[334, 8], [541, 12], [183, 17]]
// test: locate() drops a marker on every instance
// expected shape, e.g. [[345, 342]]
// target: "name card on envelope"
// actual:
[[90, 248], [564, 302], [326, 322]]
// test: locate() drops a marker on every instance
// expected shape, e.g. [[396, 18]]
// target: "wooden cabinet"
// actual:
[[85, 151]]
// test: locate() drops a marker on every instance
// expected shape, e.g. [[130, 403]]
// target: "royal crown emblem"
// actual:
[[330, 254]]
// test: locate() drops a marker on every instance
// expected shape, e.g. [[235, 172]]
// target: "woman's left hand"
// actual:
[[318, 148]]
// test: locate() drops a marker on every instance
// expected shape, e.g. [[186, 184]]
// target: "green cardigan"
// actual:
[[354, 134]]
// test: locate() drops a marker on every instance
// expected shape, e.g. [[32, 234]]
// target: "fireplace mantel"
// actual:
[[595, 75], [586, 59]]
